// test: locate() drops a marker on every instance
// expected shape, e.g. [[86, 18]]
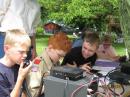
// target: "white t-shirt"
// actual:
[[19, 14]]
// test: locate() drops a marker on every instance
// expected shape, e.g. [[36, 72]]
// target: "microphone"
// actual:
[[28, 58]]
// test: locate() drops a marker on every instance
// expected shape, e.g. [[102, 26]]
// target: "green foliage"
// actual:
[[79, 13], [125, 21], [120, 49], [39, 29]]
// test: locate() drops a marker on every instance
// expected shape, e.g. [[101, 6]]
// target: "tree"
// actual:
[[125, 21], [80, 13]]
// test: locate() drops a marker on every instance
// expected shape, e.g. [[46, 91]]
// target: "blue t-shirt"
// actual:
[[8, 78], [77, 43]]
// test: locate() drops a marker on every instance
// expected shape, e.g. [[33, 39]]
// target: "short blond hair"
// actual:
[[17, 36], [60, 41]]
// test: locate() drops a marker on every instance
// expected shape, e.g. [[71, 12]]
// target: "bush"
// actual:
[[39, 30]]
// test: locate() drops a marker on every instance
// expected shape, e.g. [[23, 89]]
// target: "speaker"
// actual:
[[56, 87], [125, 68]]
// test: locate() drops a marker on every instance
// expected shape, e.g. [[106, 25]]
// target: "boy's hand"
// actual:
[[86, 67], [24, 70]]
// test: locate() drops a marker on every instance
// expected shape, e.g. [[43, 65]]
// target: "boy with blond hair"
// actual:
[[16, 45]]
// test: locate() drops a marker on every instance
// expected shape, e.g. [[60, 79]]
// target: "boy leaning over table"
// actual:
[[58, 45]]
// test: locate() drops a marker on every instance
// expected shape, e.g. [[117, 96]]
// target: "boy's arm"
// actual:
[[21, 75], [17, 88]]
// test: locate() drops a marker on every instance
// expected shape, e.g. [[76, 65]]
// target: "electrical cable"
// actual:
[[78, 89], [117, 94], [107, 75], [111, 92]]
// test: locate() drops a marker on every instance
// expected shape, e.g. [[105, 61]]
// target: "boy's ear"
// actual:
[[6, 48]]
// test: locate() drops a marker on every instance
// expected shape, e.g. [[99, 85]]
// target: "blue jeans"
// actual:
[[2, 36]]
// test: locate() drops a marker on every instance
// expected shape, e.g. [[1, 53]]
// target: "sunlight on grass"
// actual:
[[120, 48], [41, 43]]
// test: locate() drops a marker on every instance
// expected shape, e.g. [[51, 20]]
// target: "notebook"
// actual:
[[106, 63], [105, 66]]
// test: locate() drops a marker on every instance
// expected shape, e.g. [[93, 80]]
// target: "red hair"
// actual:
[[60, 41]]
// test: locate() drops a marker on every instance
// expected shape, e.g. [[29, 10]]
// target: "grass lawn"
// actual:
[[42, 40], [41, 43], [120, 48]]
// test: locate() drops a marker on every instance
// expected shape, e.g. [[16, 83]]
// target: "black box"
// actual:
[[125, 68], [64, 72]]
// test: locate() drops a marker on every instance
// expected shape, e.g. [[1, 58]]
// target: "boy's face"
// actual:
[[106, 45], [17, 53], [88, 50], [56, 55]]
